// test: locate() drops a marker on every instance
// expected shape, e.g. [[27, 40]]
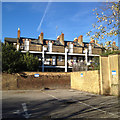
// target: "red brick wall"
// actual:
[[28, 81], [44, 81]]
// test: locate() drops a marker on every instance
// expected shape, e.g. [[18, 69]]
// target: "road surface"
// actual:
[[58, 103]]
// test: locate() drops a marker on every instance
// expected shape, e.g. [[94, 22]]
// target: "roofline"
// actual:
[[9, 38], [28, 38]]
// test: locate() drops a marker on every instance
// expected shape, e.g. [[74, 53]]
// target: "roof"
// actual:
[[76, 44], [28, 38], [12, 40], [86, 42], [49, 40], [93, 44], [56, 42]]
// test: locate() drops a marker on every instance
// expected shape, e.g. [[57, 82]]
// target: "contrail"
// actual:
[[48, 5]]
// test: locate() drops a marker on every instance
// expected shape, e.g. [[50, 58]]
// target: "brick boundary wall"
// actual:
[[88, 81], [103, 82], [28, 81], [9, 81], [110, 83]]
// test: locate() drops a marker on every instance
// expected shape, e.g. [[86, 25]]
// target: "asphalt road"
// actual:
[[59, 103]]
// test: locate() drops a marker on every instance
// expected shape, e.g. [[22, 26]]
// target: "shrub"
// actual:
[[14, 61]]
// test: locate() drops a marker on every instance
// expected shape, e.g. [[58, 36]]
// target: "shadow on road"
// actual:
[[61, 108]]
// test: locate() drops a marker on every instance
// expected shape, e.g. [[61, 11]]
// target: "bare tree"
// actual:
[[80, 66], [107, 24]]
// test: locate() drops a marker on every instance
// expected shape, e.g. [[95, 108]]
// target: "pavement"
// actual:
[[58, 103]]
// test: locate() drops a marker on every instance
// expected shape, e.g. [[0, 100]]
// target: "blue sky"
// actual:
[[71, 18]]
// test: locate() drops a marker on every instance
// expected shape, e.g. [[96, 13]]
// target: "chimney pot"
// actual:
[[40, 38], [58, 37], [92, 41], [114, 43], [68, 43], [23, 41], [75, 39], [62, 38], [18, 34], [80, 40]]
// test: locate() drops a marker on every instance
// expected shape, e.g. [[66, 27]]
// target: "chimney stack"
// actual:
[[62, 38], [75, 39], [40, 38], [92, 41], [96, 42], [29, 41], [18, 35], [114, 43], [58, 37], [23, 41], [80, 40]]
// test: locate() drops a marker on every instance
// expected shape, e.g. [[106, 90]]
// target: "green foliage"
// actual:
[[31, 63], [108, 52], [95, 64], [14, 61], [11, 59]]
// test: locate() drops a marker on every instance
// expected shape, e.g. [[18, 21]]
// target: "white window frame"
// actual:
[[47, 58], [53, 58], [49, 46], [69, 59], [74, 59], [60, 58], [71, 48], [80, 59], [14, 43]]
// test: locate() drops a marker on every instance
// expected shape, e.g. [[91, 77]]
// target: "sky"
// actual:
[[52, 18]]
